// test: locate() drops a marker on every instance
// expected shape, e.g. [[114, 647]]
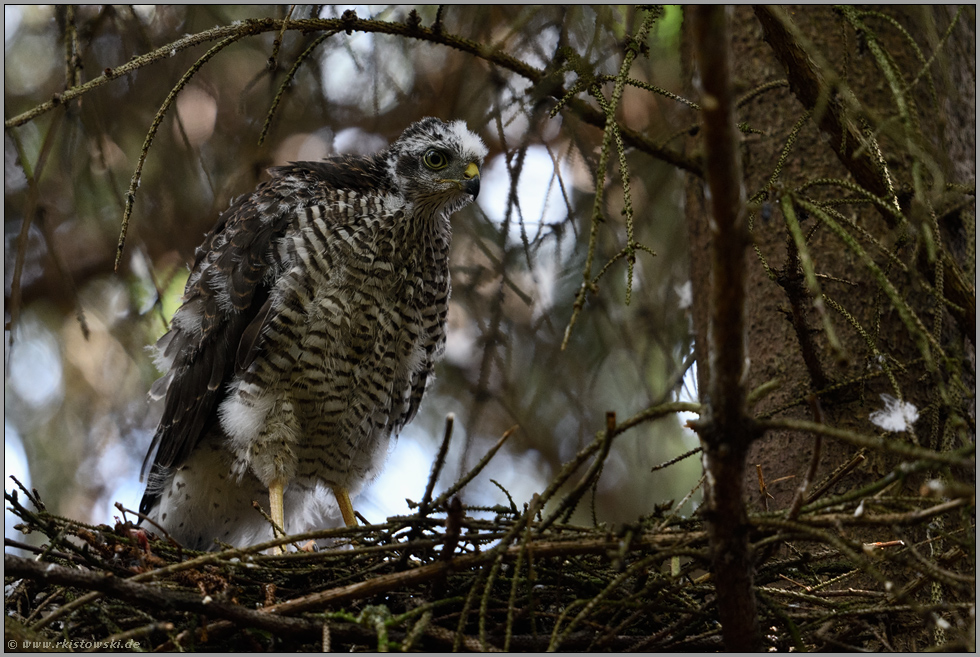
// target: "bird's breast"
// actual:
[[357, 324], [364, 310]]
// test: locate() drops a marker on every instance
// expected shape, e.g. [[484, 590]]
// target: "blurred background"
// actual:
[[77, 368]]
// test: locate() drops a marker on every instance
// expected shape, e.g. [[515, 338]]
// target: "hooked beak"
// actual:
[[471, 180]]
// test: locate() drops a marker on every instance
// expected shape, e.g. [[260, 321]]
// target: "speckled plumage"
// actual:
[[311, 320]]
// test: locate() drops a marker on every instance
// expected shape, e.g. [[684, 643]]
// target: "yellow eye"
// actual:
[[435, 160]]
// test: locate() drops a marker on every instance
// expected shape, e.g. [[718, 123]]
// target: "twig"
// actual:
[[281, 93], [960, 457], [134, 183], [32, 174], [131, 591], [811, 472], [570, 502], [349, 24], [611, 133], [437, 465], [676, 459], [810, 81], [468, 477], [726, 432]]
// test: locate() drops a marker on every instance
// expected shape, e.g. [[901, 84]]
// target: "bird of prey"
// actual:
[[311, 320]]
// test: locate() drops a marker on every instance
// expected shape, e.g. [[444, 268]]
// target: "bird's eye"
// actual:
[[435, 160]]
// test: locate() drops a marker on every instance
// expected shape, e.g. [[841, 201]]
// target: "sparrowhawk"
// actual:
[[311, 320]]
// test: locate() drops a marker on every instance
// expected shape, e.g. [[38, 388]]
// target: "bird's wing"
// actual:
[[227, 287], [226, 303]]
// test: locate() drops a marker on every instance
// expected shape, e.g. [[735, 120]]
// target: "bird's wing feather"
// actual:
[[223, 293], [248, 346], [226, 302]]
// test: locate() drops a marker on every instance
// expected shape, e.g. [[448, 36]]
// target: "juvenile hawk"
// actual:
[[310, 323]]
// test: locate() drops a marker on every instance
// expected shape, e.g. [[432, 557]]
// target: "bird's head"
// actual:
[[436, 166]]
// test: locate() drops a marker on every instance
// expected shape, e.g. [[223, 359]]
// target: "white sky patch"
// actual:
[[685, 295], [541, 204], [128, 491], [145, 12], [35, 365], [345, 81], [896, 416], [538, 192], [14, 463], [11, 21], [405, 476], [359, 142]]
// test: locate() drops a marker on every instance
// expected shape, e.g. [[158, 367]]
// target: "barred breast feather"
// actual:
[[311, 321]]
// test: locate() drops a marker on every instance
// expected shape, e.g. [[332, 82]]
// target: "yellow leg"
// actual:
[[275, 504], [346, 509]]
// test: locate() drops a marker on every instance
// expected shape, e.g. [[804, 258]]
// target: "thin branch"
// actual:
[[611, 133], [810, 80], [437, 465], [287, 82], [134, 183], [32, 174], [349, 23], [811, 471], [960, 457], [455, 488], [726, 432], [130, 591]]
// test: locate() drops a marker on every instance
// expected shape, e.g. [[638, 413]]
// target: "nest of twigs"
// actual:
[[524, 579]]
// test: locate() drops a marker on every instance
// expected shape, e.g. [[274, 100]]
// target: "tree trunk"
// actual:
[[868, 322]]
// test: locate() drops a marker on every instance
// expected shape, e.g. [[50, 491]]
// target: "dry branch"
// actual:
[[638, 587], [726, 430]]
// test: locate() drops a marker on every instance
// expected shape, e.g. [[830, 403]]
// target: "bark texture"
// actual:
[[879, 298], [786, 342]]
